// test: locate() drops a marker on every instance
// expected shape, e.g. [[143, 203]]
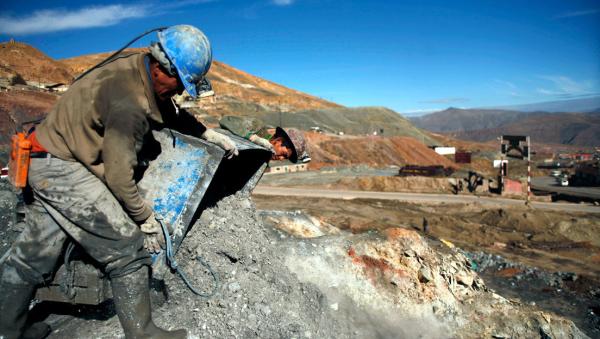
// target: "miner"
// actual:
[[81, 174], [284, 143]]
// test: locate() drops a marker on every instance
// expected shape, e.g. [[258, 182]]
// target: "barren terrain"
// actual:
[[525, 239]]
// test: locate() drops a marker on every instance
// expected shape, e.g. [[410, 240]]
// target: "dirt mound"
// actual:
[[395, 184], [408, 286], [257, 295], [389, 284], [372, 151], [32, 64]]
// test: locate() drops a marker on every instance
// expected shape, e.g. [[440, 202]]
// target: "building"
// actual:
[[462, 157], [286, 167], [583, 156], [443, 150]]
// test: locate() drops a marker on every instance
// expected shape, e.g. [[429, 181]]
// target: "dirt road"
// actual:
[[549, 184], [419, 197]]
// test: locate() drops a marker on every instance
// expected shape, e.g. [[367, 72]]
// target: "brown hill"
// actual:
[[232, 86], [331, 150], [31, 64]]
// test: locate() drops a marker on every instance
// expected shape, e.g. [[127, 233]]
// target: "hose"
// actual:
[[175, 267], [111, 57]]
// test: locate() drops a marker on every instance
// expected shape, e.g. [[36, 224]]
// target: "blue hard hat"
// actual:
[[189, 51]]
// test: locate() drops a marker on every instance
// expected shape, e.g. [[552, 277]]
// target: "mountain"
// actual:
[[577, 129], [583, 105], [581, 129], [456, 119]]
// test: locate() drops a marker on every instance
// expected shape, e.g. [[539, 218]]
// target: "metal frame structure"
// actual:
[[521, 144]]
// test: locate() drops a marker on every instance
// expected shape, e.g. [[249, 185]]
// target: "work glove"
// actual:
[[154, 238], [262, 142], [222, 141]]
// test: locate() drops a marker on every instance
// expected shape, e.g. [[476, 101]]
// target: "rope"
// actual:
[[175, 267]]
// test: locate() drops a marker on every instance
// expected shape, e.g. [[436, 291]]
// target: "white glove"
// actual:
[[222, 141], [154, 238], [262, 142]]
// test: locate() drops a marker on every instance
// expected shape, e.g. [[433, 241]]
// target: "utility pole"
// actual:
[[528, 171], [501, 183]]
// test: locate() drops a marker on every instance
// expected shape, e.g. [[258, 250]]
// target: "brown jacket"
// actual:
[[101, 122]]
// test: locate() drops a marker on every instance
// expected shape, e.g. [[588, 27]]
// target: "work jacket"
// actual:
[[101, 122]]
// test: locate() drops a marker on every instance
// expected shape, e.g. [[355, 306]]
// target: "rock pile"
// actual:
[[389, 284], [257, 295]]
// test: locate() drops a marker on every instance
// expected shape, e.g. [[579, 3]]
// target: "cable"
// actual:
[[107, 60], [175, 267]]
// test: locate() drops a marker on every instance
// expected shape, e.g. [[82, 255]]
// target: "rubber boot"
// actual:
[[131, 295], [14, 303]]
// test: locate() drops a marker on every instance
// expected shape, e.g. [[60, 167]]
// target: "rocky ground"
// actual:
[[320, 282], [543, 259], [574, 296]]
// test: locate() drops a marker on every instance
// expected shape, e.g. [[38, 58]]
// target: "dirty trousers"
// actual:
[[71, 202]]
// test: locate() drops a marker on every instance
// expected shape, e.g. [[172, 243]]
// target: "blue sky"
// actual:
[[411, 56]]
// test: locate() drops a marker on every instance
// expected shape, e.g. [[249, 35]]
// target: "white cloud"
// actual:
[[53, 20], [565, 86], [59, 20], [577, 13], [282, 2]]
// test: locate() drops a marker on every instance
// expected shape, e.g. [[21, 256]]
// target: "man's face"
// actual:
[[283, 150], [165, 86]]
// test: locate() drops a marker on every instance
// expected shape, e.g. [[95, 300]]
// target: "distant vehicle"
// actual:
[[564, 181], [555, 173]]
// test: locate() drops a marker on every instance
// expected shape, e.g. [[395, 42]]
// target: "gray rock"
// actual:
[[425, 275]]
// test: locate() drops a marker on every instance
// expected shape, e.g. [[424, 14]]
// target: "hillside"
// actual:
[[578, 129], [353, 121], [330, 150], [232, 86], [31, 64], [456, 119]]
